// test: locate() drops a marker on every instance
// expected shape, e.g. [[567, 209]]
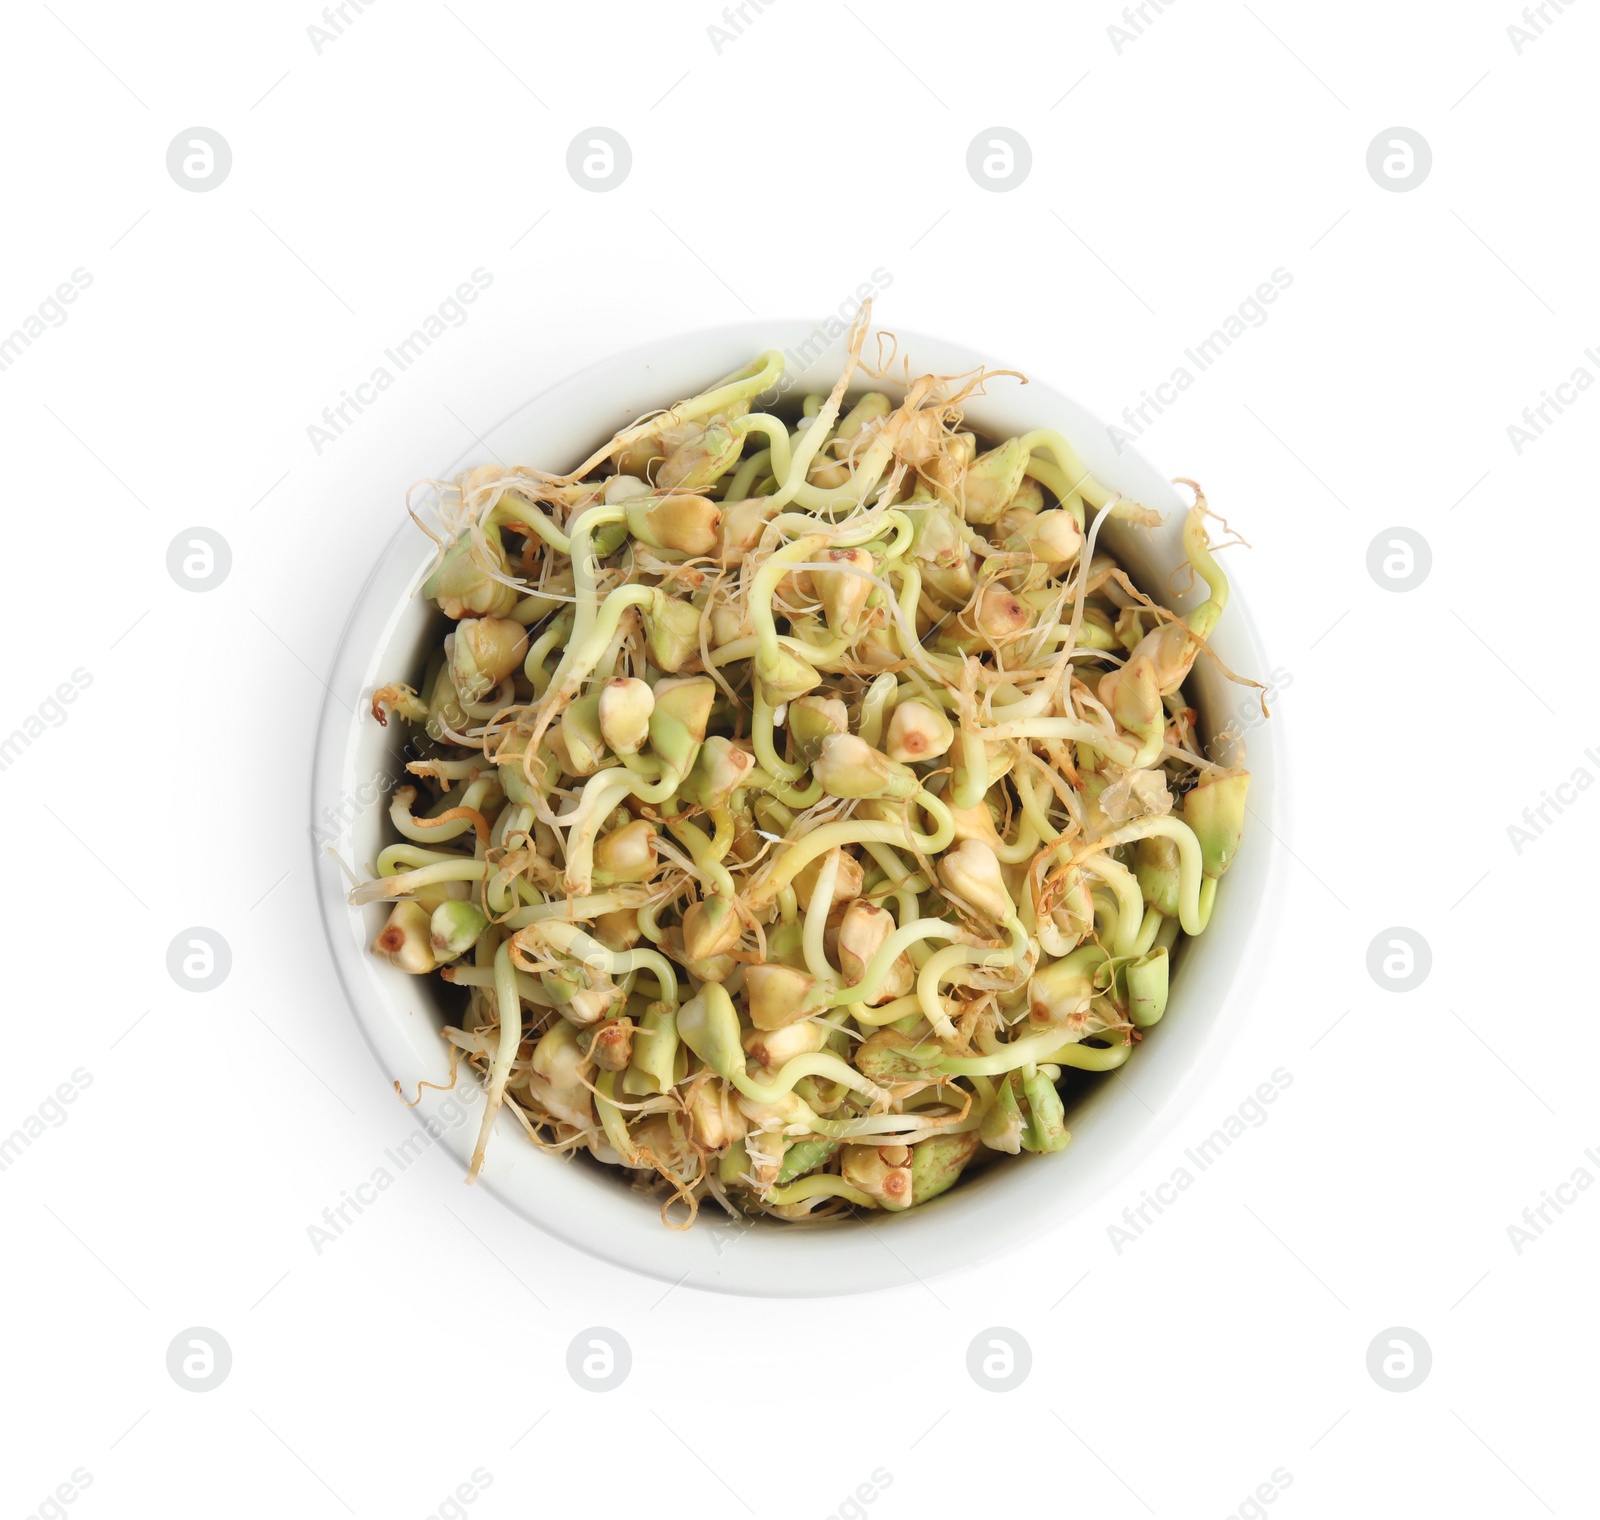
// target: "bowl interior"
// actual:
[[1114, 1121]]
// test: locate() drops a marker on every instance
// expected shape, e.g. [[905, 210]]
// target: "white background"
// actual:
[[770, 177]]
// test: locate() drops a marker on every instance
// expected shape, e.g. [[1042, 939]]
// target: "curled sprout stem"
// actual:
[[508, 1008]]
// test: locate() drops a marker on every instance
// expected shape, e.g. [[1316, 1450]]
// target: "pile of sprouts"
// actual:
[[800, 796]]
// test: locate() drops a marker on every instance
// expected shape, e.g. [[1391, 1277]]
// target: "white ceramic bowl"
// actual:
[[1117, 1122]]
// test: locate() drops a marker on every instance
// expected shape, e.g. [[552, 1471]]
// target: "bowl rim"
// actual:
[[813, 1261]]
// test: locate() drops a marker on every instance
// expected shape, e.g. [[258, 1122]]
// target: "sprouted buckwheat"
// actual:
[[801, 797]]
